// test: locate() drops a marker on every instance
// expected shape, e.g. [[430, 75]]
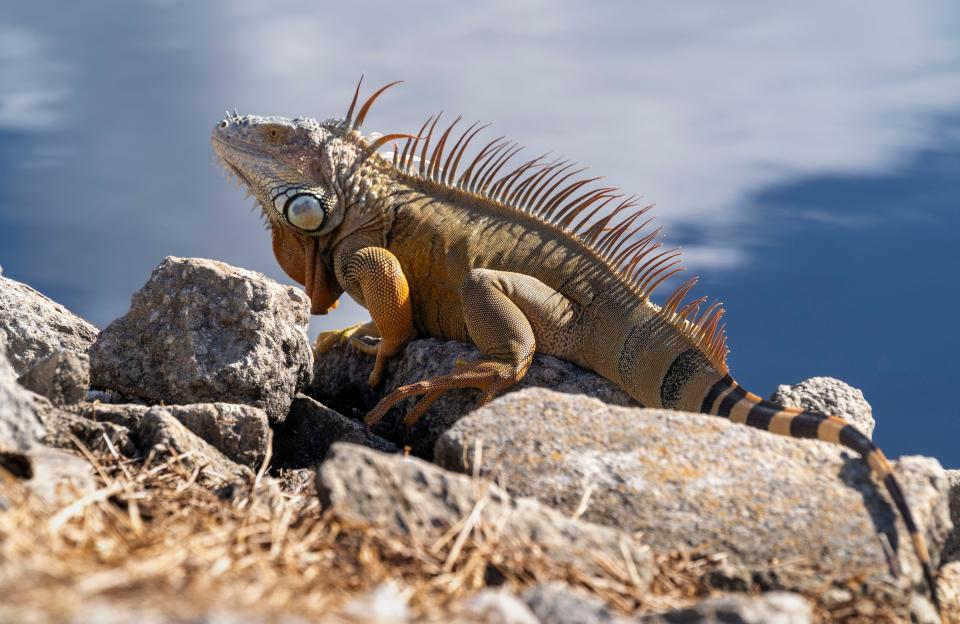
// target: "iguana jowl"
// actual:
[[515, 259]]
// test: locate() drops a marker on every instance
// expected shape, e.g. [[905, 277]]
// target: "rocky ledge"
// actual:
[[194, 462]]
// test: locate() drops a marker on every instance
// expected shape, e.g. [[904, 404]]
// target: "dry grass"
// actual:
[[162, 536]]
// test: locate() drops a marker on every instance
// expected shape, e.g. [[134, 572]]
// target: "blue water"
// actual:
[[807, 160]]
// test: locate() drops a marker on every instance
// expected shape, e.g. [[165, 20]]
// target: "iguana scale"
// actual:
[[515, 259]]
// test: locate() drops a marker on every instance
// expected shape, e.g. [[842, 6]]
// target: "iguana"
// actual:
[[516, 259]]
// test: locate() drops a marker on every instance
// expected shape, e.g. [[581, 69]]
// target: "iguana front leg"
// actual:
[[498, 308], [374, 277]]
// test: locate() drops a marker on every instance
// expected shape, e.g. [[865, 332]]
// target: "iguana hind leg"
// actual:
[[501, 311]]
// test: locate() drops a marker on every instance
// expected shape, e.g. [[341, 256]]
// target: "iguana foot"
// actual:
[[353, 334], [490, 376]]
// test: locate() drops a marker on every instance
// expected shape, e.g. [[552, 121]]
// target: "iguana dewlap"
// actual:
[[516, 259]]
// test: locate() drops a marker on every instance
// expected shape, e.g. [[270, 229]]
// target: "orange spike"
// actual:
[[558, 198], [549, 194], [618, 233], [666, 275], [537, 178], [608, 240], [489, 160], [515, 195], [438, 152], [381, 141], [674, 300], [665, 261], [406, 161], [353, 102], [362, 115], [639, 267], [507, 156], [465, 178], [481, 159], [590, 234], [452, 171], [426, 146], [649, 269], [568, 213], [625, 252], [692, 307], [509, 179]]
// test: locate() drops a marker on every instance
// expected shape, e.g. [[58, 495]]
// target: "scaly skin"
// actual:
[[513, 262]]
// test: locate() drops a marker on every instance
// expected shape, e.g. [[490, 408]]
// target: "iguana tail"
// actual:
[[726, 398]]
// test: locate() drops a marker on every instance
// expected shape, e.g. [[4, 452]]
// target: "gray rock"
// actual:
[[385, 604], [697, 481], [769, 608], [922, 611], [559, 603], [98, 437], [202, 331], [948, 588], [240, 432], [490, 606], [828, 396], [34, 327], [63, 377], [20, 428], [48, 472], [951, 551], [408, 496], [57, 475], [311, 428], [340, 381], [160, 432]]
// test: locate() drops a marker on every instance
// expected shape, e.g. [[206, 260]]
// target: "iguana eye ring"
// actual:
[[305, 212]]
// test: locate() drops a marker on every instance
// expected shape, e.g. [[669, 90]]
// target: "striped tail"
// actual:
[[726, 398]]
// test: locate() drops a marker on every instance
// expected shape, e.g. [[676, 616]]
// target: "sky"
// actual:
[[805, 158]]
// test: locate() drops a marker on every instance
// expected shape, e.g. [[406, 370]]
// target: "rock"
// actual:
[[922, 610], [951, 551], [63, 377], [63, 427], [20, 428], [160, 431], [238, 431], [491, 606], [411, 497], [948, 588], [55, 473], [34, 327], [202, 331], [559, 603], [387, 604], [697, 481], [769, 608], [340, 381], [828, 396], [311, 428], [49, 473]]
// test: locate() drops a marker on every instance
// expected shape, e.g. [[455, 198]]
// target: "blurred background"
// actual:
[[806, 159]]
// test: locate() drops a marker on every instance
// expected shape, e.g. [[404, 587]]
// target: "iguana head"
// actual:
[[295, 169], [300, 172]]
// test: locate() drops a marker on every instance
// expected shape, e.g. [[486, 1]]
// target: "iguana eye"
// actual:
[[274, 133], [305, 212]]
